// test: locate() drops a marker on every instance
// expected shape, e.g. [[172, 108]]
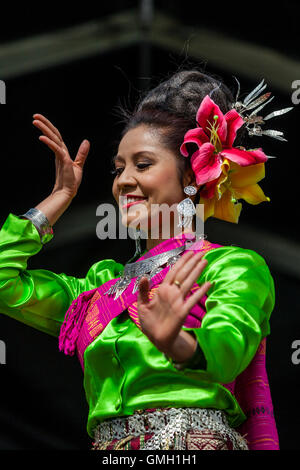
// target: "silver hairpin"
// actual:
[[256, 103], [215, 89]]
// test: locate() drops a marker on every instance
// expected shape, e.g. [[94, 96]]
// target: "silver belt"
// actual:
[[169, 427]]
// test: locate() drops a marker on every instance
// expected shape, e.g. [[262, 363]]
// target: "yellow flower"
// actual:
[[234, 183]]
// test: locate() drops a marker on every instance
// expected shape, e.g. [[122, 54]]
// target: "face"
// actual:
[[146, 174]]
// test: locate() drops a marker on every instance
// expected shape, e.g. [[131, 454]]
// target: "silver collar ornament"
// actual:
[[255, 103], [148, 267]]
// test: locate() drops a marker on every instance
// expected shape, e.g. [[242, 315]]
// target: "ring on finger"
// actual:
[[177, 283]]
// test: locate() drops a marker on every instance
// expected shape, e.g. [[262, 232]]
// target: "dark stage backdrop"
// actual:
[[42, 400]]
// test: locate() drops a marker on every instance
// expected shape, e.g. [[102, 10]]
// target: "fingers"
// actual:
[[53, 146], [193, 299], [143, 295], [82, 153], [192, 276], [170, 276], [53, 139], [48, 132], [40, 117], [182, 268]]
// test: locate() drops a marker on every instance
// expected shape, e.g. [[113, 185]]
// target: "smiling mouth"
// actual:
[[130, 201]]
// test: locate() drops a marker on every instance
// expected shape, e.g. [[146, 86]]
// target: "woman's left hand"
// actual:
[[162, 318]]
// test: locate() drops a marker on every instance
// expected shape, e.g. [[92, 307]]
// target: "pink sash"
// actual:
[[90, 313]]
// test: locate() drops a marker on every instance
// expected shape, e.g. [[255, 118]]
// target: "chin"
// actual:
[[133, 217], [134, 222]]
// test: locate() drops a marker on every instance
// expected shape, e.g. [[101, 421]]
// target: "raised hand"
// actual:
[[162, 318], [68, 171]]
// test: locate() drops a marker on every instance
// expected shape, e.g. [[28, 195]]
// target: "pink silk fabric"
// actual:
[[90, 313]]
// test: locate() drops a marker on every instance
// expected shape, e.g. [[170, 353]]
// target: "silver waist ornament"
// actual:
[[148, 267], [169, 427]]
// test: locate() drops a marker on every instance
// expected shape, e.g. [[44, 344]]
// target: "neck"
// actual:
[[152, 242]]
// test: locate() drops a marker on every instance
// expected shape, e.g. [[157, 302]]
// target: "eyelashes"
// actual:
[[141, 166], [115, 172]]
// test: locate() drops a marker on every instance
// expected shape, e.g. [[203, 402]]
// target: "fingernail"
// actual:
[[85, 145]]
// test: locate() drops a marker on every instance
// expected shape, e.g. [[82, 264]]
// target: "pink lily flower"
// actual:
[[214, 138]]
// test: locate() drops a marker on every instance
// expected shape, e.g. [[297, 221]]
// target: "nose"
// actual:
[[126, 179]]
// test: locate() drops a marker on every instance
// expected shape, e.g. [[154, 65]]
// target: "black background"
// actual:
[[42, 402]]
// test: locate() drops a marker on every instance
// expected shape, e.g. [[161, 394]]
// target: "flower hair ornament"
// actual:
[[228, 173]]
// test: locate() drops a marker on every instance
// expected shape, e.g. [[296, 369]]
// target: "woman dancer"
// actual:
[[169, 343]]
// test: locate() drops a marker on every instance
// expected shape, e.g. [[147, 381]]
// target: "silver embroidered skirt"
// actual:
[[169, 429]]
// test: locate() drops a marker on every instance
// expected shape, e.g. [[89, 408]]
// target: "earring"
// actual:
[[138, 250], [137, 238], [186, 209]]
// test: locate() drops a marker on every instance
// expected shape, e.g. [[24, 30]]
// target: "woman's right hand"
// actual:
[[68, 171]]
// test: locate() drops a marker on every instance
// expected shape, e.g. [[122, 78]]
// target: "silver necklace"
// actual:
[[148, 267]]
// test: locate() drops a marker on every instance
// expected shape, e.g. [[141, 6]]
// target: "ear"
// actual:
[[189, 178]]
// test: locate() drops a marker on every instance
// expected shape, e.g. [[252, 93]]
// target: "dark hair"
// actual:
[[171, 108]]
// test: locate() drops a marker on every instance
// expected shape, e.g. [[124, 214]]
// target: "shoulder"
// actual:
[[238, 276], [107, 267], [232, 254], [236, 265]]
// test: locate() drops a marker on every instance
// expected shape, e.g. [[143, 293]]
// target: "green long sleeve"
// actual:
[[238, 306], [38, 297]]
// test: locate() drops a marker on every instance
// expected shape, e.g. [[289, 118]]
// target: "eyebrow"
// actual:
[[116, 158]]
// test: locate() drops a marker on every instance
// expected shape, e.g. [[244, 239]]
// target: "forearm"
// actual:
[[39, 298], [184, 347], [54, 206]]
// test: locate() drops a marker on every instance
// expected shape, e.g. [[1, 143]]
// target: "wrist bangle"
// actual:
[[41, 223]]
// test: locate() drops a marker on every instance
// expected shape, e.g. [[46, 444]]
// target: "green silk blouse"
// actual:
[[123, 370]]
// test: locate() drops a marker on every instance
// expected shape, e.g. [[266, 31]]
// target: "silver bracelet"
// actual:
[[41, 223]]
